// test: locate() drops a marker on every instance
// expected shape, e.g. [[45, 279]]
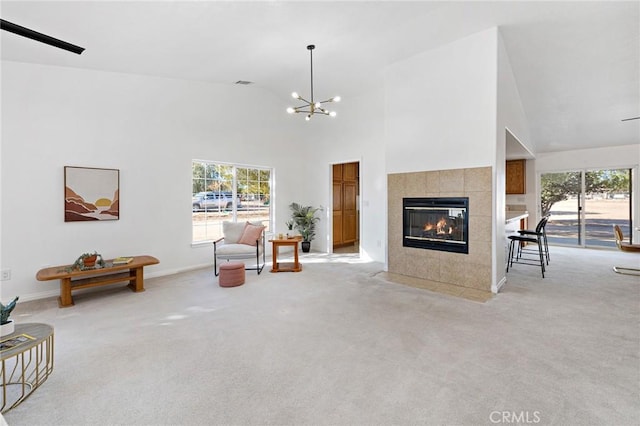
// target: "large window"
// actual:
[[228, 192]]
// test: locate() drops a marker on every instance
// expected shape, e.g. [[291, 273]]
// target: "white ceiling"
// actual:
[[577, 64]]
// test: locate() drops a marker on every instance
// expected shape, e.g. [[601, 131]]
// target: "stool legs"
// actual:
[[516, 252]]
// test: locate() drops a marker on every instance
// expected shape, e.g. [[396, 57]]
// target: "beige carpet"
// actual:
[[338, 344]]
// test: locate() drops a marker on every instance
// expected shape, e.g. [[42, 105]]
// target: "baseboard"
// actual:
[[39, 296], [495, 289], [165, 272]]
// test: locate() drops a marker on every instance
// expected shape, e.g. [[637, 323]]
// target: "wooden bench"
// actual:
[[131, 272]]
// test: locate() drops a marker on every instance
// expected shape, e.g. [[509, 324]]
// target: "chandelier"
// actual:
[[311, 107]]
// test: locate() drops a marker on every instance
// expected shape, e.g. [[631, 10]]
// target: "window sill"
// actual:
[[202, 244]]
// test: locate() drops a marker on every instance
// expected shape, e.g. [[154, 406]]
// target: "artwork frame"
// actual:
[[91, 194]]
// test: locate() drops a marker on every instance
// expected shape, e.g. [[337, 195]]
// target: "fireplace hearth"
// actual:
[[436, 223]]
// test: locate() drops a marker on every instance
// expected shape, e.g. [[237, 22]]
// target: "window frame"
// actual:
[[235, 196]]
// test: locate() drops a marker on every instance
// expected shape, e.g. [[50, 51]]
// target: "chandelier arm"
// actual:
[[327, 101], [304, 100]]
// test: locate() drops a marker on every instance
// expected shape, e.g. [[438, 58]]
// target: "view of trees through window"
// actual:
[[584, 205], [228, 192]]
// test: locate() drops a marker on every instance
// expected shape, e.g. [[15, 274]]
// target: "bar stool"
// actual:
[[537, 237], [529, 232]]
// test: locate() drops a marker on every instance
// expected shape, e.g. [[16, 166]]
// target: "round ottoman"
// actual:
[[231, 274]]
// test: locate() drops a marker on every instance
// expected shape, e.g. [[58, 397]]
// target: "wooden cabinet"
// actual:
[[515, 177], [345, 209]]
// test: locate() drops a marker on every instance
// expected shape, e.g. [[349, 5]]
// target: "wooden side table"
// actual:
[[26, 358], [285, 266]]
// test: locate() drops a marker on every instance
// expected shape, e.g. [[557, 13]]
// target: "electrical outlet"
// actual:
[[5, 275]]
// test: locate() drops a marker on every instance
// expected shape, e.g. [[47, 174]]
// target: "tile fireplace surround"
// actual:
[[471, 270]]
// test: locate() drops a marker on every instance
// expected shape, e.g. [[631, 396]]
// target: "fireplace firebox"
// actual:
[[436, 223]]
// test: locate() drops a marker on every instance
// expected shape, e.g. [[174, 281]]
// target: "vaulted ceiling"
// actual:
[[577, 64]]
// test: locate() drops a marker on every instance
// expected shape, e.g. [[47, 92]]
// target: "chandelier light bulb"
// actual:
[[318, 104], [291, 110], [332, 114], [336, 99], [295, 95], [308, 117]]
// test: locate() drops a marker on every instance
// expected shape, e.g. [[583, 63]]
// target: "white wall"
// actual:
[[511, 116], [356, 134], [440, 110], [148, 128]]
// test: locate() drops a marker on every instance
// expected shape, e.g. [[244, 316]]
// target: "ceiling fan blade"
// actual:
[[629, 119], [43, 38]]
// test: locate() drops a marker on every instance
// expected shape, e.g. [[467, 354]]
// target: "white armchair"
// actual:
[[242, 240]]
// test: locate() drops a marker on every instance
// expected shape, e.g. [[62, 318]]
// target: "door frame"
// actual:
[[358, 204]]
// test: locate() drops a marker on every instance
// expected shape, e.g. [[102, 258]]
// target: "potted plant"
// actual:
[[305, 219], [6, 325], [87, 261], [289, 224]]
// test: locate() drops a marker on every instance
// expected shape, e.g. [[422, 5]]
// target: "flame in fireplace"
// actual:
[[441, 227]]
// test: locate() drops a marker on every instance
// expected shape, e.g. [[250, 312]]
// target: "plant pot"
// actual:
[[89, 262], [306, 246], [7, 328]]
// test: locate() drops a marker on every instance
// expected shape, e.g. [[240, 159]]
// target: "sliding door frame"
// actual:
[[582, 202]]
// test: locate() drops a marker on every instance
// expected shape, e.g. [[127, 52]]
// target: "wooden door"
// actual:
[[349, 212], [345, 209], [337, 212]]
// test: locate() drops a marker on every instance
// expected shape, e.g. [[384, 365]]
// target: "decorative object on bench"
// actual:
[[6, 325], [305, 220], [628, 247], [231, 274], [87, 261], [240, 241], [72, 279]]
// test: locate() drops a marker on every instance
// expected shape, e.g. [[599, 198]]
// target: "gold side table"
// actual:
[[26, 357]]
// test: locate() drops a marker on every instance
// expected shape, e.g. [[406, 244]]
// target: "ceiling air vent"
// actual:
[[244, 82]]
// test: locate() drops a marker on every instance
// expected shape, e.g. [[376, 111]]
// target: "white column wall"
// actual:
[[441, 107], [511, 116]]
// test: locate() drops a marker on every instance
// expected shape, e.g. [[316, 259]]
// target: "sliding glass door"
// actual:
[[561, 197], [584, 205]]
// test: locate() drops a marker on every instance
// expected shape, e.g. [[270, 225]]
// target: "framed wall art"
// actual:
[[91, 194]]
